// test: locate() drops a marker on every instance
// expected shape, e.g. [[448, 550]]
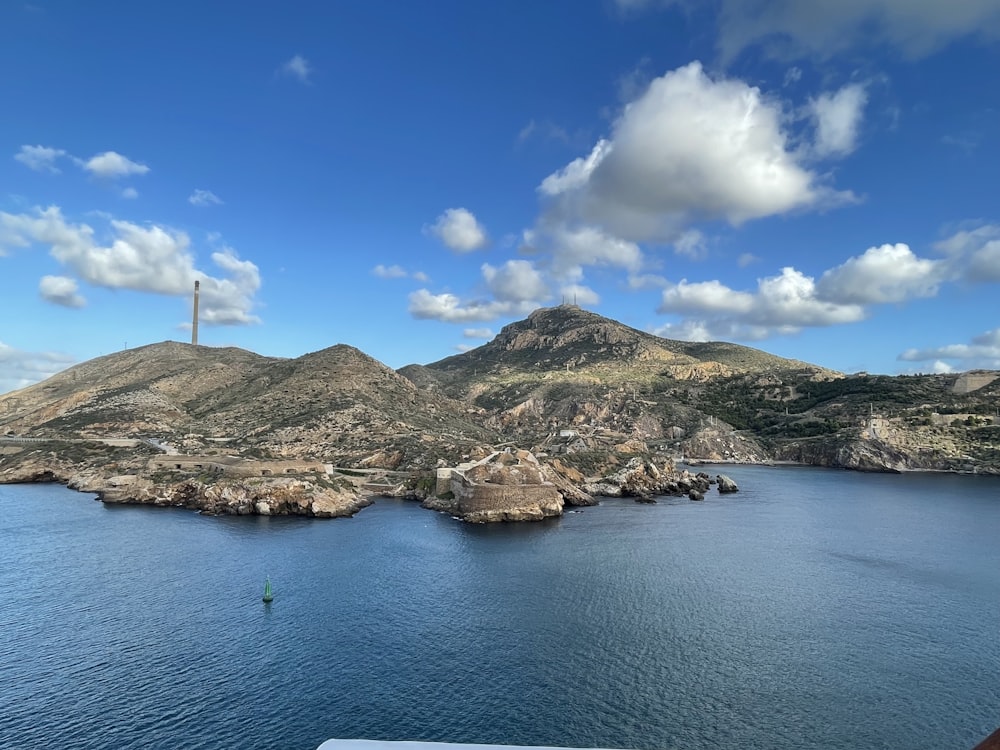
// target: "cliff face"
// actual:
[[906, 452]]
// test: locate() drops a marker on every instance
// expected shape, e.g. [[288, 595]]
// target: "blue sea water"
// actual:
[[814, 609]]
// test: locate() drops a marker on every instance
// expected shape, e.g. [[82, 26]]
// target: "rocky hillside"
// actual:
[[337, 404], [566, 370], [568, 381], [563, 383]]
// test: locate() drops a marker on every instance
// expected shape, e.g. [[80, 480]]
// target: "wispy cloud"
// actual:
[[40, 158], [19, 368], [204, 198], [398, 272], [109, 165], [298, 67]]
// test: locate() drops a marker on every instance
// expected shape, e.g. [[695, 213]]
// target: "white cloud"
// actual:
[[111, 165], [974, 253], [790, 28], [61, 290], [204, 198], [142, 258], [478, 333], [576, 174], [646, 281], [516, 287], [298, 67], [398, 272], [824, 28], [464, 348], [19, 368], [228, 300], [515, 281], [545, 130], [705, 297], [790, 301], [792, 75], [983, 352], [578, 294], [746, 259], [130, 193], [837, 117], [781, 304], [459, 229], [570, 249], [890, 273], [984, 263], [692, 244], [390, 272], [686, 330], [451, 309], [40, 158], [691, 147]]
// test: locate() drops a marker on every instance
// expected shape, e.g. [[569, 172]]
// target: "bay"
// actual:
[[814, 609]]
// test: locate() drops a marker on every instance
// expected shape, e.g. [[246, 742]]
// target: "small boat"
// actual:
[[268, 596]]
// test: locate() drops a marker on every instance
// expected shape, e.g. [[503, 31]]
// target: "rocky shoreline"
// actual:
[[491, 486], [512, 485]]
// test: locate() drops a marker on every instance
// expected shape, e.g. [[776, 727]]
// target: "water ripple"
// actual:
[[813, 610]]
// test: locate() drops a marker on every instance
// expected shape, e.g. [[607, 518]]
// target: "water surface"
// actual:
[[814, 609]]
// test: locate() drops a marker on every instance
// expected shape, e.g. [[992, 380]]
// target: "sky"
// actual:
[[818, 180]]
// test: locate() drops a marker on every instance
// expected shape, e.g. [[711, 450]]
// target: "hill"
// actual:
[[338, 404], [564, 375]]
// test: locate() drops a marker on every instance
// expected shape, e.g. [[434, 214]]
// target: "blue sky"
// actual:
[[817, 180]]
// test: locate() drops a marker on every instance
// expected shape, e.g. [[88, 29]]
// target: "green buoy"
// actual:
[[268, 596]]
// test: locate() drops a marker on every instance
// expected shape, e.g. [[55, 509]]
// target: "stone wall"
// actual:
[[479, 498], [234, 466]]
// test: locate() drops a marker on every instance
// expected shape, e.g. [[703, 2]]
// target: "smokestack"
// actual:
[[194, 319]]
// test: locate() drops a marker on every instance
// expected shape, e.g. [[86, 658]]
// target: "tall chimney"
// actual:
[[194, 319]]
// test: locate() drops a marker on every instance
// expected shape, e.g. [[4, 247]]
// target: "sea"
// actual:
[[813, 609]]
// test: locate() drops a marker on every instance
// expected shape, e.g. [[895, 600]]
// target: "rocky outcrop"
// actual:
[[723, 444], [860, 455], [130, 483], [725, 485], [281, 496], [643, 478], [569, 482]]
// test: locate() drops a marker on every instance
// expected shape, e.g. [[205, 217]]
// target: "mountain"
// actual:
[[566, 369], [567, 373], [571, 341]]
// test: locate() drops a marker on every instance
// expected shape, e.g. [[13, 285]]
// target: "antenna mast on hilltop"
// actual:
[[194, 316]]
